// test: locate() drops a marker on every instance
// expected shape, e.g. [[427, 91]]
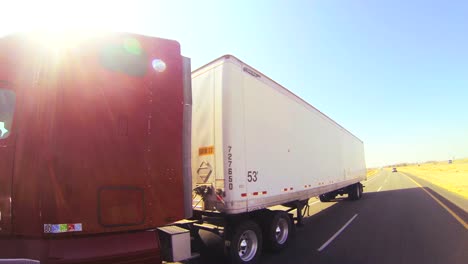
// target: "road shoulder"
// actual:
[[457, 203]]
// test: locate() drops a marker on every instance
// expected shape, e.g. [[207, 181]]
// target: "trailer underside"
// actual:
[[246, 234]]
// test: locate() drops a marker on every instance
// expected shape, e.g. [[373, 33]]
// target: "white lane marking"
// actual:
[[337, 233], [377, 175], [379, 189], [373, 178]]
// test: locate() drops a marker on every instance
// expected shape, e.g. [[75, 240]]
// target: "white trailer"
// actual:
[[255, 145]]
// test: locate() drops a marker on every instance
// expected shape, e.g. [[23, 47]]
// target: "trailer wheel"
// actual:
[[246, 243], [277, 230], [355, 191]]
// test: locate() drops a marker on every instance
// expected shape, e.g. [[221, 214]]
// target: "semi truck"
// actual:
[[113, 151]]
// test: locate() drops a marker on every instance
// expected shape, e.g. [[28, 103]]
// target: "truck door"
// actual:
[[7, 152]]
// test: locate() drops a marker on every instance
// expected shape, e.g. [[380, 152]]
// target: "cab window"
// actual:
[[7, 109]]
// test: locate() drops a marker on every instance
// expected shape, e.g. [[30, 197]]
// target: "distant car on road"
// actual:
[[394, 170]]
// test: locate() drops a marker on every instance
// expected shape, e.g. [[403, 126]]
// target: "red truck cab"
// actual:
[[94, 134]]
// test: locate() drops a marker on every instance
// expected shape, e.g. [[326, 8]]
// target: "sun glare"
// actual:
[[61, 15], [61, 23]]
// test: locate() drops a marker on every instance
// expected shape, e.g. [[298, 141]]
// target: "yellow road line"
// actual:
[[441, 203]]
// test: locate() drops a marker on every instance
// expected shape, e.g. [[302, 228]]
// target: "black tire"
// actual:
[[277, 230], [245, 243], [355, 191], [352, 194]]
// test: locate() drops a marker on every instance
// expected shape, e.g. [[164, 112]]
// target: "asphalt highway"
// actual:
[[400, 219]]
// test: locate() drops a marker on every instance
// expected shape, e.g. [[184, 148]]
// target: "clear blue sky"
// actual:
[[393, 72]]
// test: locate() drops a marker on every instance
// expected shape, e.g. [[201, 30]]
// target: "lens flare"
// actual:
[[132, 46], [159, 65]]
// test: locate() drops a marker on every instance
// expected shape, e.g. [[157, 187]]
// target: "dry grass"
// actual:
[[453, 177]]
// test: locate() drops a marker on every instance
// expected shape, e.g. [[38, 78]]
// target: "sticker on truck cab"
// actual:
[[62, 228]]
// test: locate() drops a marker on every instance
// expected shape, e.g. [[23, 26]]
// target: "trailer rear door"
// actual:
[[7, 152], [203, 136]]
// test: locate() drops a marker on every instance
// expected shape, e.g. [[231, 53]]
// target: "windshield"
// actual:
[[7, 108]]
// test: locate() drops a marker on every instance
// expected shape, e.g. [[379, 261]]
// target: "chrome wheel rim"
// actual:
[[248, 245], [281, 231]]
